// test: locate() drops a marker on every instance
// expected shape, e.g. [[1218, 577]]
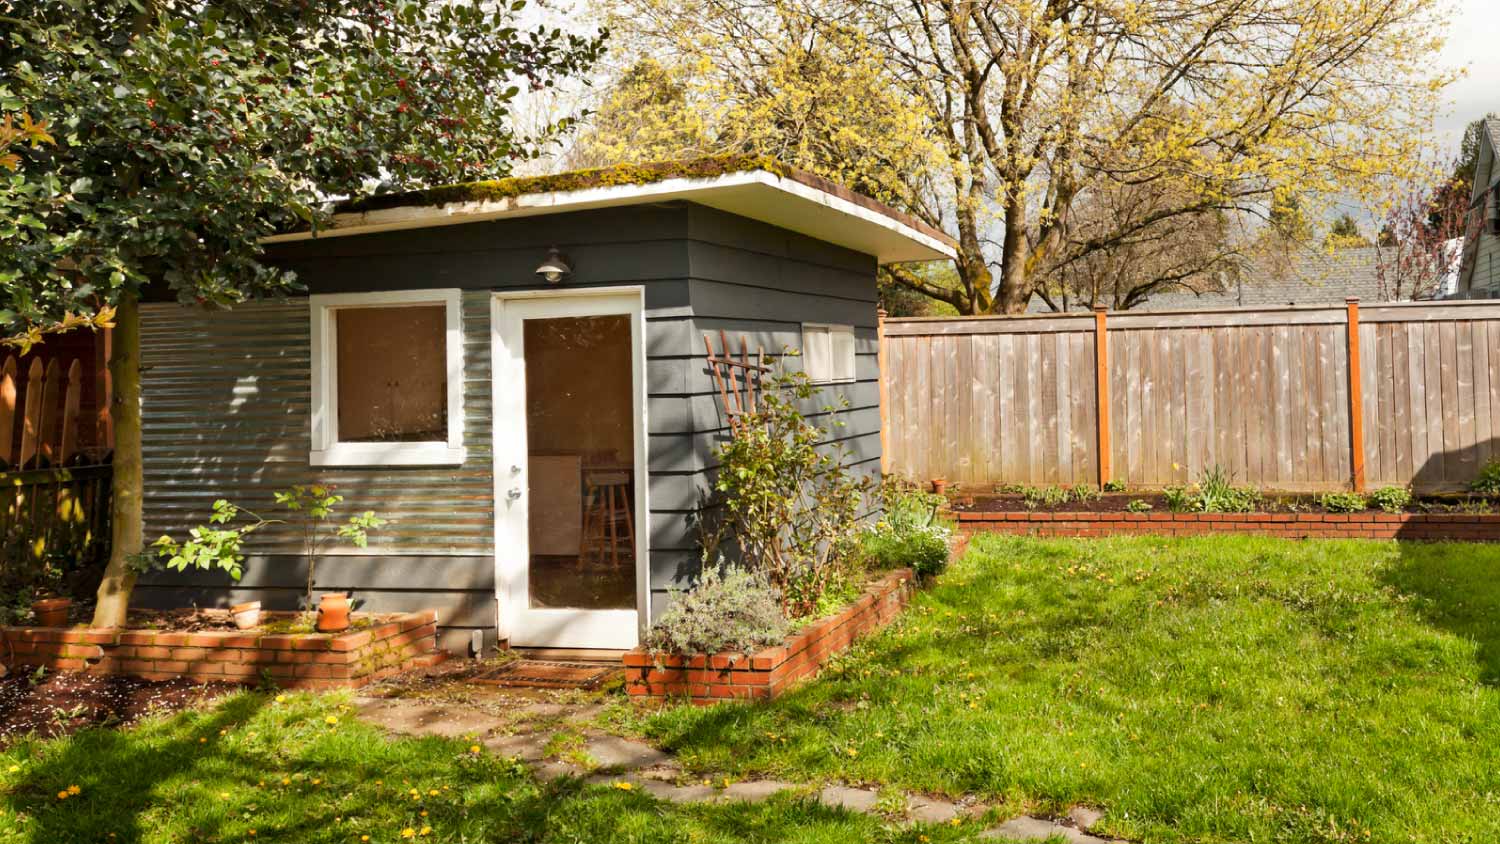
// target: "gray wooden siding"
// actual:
[[227, 394]]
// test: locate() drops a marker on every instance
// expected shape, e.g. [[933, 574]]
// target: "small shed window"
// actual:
[[387, 379], [828, 352]]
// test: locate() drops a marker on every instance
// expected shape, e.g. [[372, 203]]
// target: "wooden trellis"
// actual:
[[738, 381]]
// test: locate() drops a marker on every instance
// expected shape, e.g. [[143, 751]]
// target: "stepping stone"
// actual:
[[1026, 828], [615, 753], [677, 793], [427, 719], [924, 810], [755, 791], [527, 747], [1085, 817], [853, 799], [549, 771]]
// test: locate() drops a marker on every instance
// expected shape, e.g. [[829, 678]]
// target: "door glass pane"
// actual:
[[392, 374], [580, 438]]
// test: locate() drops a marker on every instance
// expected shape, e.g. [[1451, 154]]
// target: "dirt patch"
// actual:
[[51, 704], [1112, 502]]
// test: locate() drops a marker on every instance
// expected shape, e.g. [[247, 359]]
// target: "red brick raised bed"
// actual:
[[351, 659], [1366, 525], [731, 676]]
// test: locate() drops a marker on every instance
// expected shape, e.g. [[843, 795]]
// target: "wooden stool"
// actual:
[[608, 506]]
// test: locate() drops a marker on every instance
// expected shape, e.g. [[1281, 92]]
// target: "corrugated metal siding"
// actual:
[[225, 414]]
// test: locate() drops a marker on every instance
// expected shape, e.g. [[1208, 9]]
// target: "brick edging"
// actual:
[[769, 672], [292, 660], [1477, 527]]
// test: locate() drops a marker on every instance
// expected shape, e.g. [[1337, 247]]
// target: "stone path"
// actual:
[[558, 740]]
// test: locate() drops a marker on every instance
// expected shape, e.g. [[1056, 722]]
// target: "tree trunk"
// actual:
[[125, 510], [1014, 291]]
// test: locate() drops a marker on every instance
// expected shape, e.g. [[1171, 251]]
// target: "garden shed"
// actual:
[[513, 375]]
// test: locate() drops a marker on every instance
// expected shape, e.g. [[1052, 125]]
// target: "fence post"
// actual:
[[881, 375], [1101, 391], [1356, 400]]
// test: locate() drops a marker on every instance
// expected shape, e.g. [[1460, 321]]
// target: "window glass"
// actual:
[[392, 374]]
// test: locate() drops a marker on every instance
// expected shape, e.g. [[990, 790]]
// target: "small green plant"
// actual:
[[1114, 485], [1138, 505], [1391, 499], [730, 609], [1084, 493], [1044, 496], [1178, 498], [1342, 502], [313, 505], [1487, 482], [216, 545], [1218, 494], [909, 533]]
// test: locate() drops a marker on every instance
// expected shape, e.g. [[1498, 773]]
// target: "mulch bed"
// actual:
[[62, 703]]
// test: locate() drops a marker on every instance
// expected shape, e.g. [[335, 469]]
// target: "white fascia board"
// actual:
[[756, 194]]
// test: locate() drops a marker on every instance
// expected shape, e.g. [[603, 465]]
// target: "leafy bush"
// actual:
[[909, 534], [1342, 502], [789, 496], [216, 545], [729, 609], [1218, 494], [1487, 482], [1391, 499], [1115, 485], [1178, 498], [1138, 506]]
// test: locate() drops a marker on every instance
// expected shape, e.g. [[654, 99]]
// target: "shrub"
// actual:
[[1114, 485], [1138, 506], [1178, 498], [1391, 499], [729, 609], [909, 533], [1487, 482], [1342, 502], [789, 496], [1217, 494]]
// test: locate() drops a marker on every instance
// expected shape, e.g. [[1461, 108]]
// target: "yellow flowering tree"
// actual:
[[1006, 120]]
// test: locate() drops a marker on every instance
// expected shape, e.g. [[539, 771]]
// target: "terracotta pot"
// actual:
[[333, 613], [246, 615], [51, 612], [940, 485]]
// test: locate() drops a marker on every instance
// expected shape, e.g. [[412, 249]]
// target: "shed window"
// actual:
[[828, 352], [387, 379]]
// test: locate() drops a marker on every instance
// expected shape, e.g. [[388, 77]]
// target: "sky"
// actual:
[[1473, 41]]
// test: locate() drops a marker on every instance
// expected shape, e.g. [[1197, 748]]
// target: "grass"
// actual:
[[300, 768], [1225, 689]]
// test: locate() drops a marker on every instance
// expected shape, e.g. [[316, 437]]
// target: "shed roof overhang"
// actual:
[[792, 199]]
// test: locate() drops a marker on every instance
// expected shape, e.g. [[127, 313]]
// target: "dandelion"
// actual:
[[73, 789], [624, 786], [852, 752], [62, 795], [14, 768], [203, 741], [364, 838], [282, 699], [955, 822], [424, 813], [332, 719], [223, 795], [433, 793], [426, 830], [408, 833], [473, 748], [286, 781]]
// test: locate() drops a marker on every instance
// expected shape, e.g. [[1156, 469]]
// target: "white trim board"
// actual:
[[756, 194]]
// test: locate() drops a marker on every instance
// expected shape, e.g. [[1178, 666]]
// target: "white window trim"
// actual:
[[326, 449], [830, 329]]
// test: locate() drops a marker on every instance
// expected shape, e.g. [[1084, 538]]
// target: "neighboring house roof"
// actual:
[[1486, 180], [750, 186]]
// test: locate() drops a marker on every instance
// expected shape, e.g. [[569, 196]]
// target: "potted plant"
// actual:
[[939, 486], [51, 612], [246, 615]]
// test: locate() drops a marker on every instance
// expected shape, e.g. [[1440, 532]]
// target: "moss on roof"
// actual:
[[620, 174]]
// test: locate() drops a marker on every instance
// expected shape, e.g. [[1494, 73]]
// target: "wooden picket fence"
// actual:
[[54, 493], [1294, 398]]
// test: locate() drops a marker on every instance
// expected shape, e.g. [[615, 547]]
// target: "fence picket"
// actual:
[[8, 410]]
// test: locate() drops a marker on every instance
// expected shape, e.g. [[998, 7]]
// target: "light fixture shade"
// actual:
[[555, 268]]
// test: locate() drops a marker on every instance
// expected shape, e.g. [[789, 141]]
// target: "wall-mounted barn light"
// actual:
[[555, 268]]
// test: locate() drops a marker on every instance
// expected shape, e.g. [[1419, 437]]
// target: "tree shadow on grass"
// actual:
[[1455, 588]]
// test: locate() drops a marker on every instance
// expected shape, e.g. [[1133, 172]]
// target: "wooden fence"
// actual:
[[1277, 397], [54, 483]]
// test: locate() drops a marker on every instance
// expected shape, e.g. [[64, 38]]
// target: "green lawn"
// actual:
[[286, 771], [1231, 689]]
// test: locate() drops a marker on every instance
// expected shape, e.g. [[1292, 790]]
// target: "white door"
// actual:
[[570, 467]]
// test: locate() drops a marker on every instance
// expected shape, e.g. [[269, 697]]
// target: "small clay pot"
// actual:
[[51, 612], [940, 486], [246, 615], [333, 612]]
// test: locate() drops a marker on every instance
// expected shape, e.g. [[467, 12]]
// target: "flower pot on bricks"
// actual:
[[333, 613], [246, 615], [51, 612]]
